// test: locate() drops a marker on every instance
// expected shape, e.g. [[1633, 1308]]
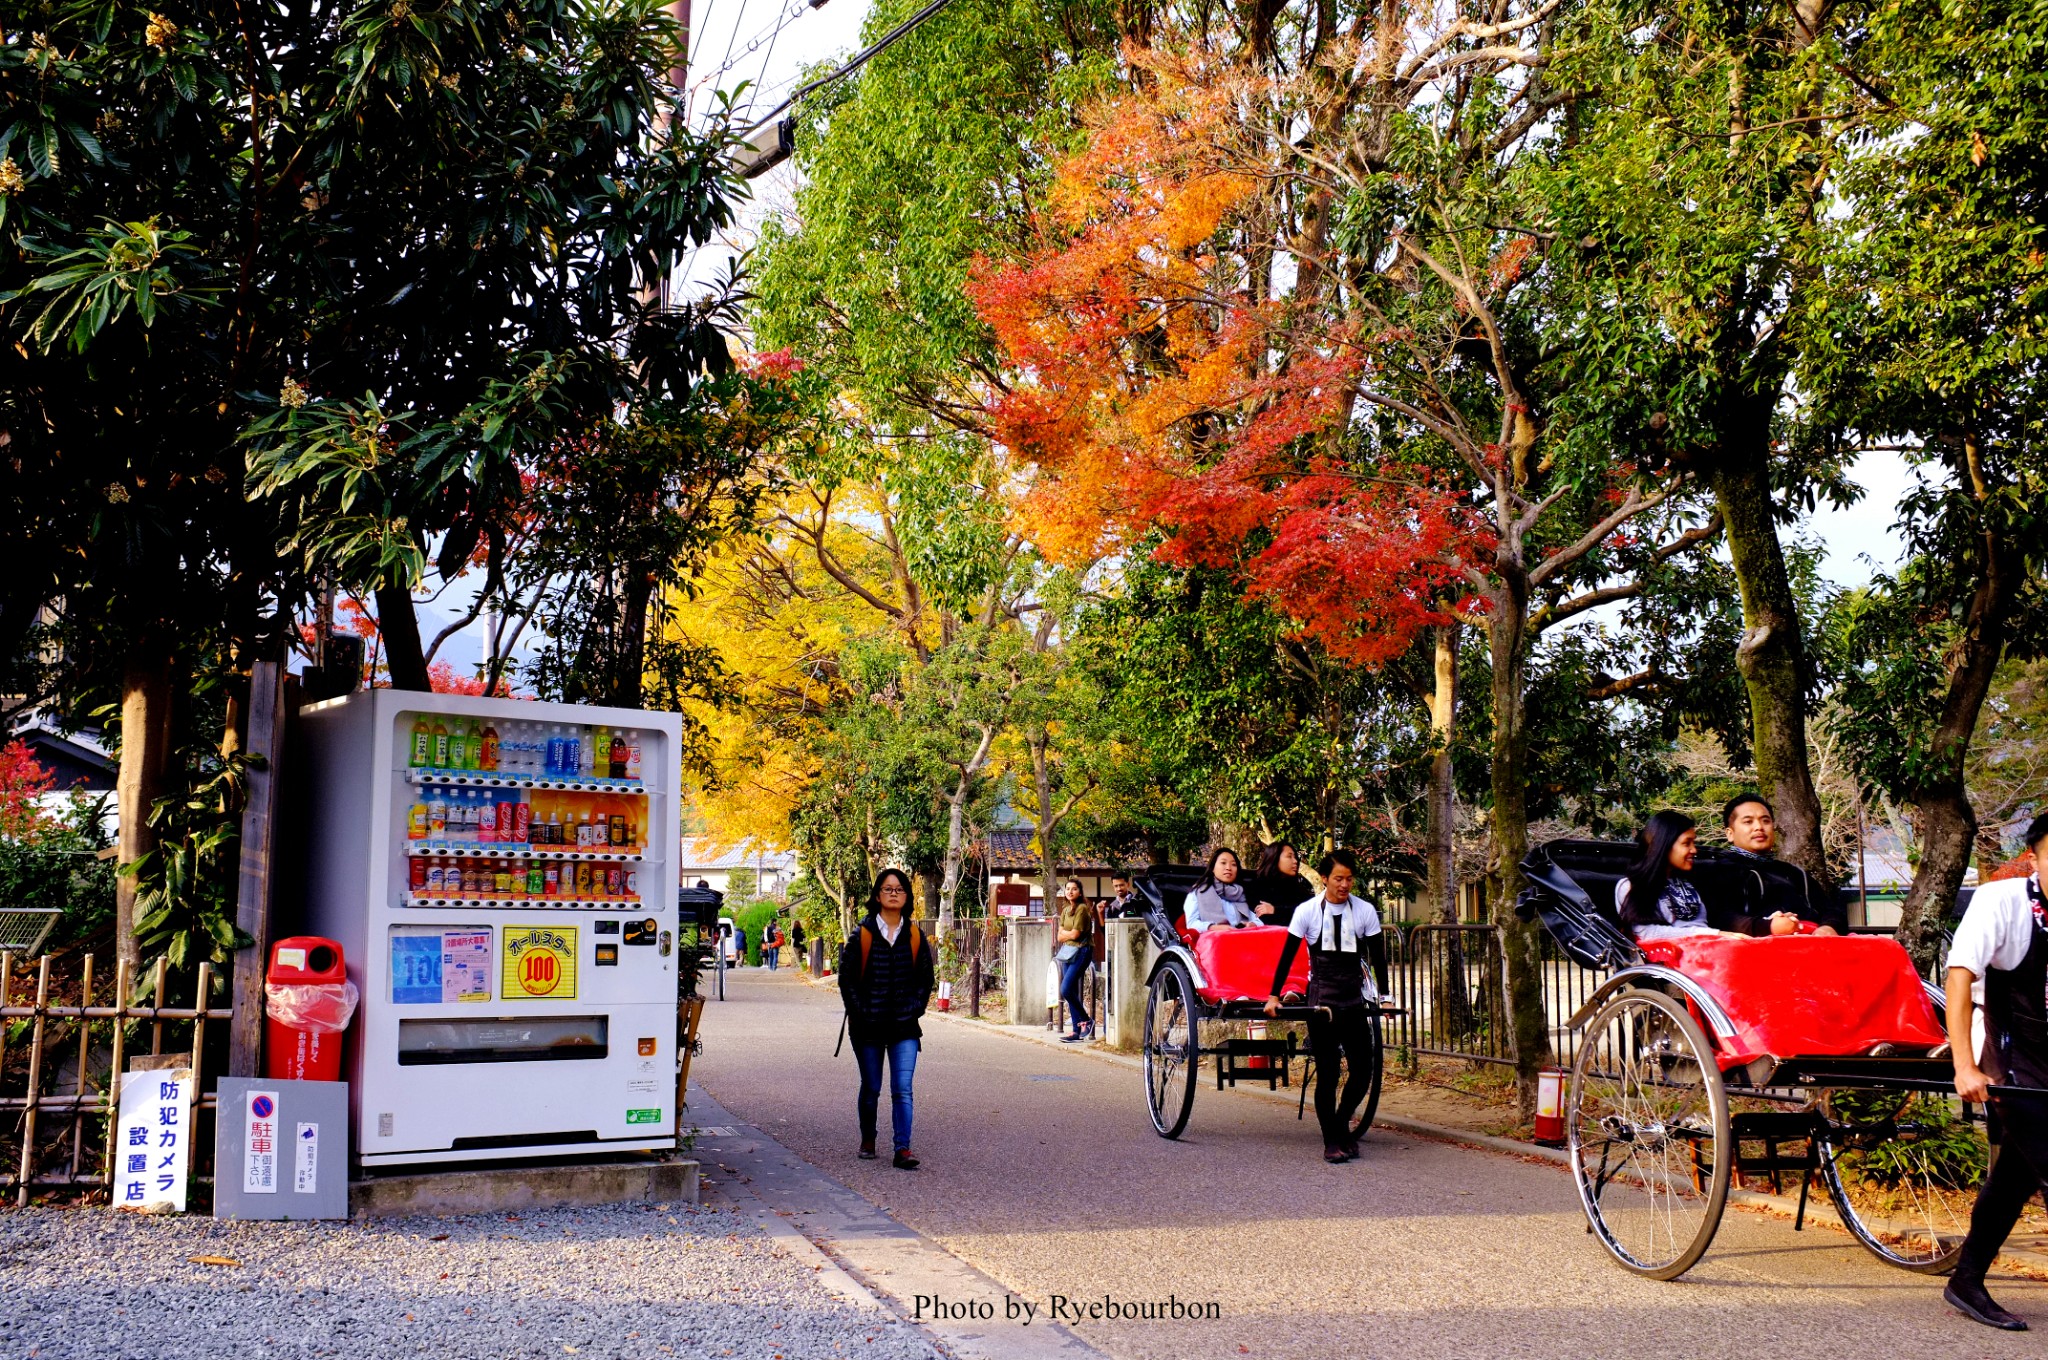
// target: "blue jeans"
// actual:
[[768, 956], [1074, 986], [902, 1058]]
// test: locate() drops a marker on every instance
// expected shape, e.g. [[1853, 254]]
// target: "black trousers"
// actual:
[[2018, 1173], [1345, 1035]]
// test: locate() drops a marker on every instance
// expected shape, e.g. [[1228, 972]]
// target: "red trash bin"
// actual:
[[308, 1002]]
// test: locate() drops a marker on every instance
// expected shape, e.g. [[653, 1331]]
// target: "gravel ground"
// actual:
[[632, 1281]]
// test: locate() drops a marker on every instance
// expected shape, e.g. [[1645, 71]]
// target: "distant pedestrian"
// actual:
[[1123, 898], [1075, 935], [886, 979], [771, 943], [796, 940], [739, 943]]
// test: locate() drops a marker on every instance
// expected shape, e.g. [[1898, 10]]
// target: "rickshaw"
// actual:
[[1707, 1058], [1212, 979]]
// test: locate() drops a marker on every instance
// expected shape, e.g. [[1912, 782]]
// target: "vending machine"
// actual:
[[501, 876]]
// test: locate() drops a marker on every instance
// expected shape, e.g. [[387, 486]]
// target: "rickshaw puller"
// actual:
[[1999, 961], [1342, 933]]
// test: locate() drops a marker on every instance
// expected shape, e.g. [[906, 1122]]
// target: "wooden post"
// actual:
[[35, 1085], [252, 900]]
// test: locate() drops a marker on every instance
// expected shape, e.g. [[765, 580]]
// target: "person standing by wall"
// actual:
[[796, 942], [1999, 964], [886, 979], [1075, 936]]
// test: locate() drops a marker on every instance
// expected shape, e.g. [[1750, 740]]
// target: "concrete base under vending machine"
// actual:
[[512, 1187]]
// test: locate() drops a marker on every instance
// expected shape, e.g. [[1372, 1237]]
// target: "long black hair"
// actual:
[[1651, 871], [1269, 858], [875, 893], [1208, 878]]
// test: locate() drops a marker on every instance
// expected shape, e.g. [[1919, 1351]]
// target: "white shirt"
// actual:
[[1996, 932], [883, 927], [1346, 922]]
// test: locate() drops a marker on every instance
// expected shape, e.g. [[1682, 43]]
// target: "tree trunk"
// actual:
[[1521, 946], [1449, 999], [1948, 824], [1443, 806], [630, 671], [956, 854], [1041, 782], [1772, 656], [145, 757], [399, 626]]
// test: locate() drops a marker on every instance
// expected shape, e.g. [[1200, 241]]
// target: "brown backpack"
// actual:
[[867, 945]]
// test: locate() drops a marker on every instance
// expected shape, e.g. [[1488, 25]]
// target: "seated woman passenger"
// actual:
[[1217, 899], [1657, 900], [1278, 887]]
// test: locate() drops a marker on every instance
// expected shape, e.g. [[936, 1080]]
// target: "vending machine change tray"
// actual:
[[552, 1038]]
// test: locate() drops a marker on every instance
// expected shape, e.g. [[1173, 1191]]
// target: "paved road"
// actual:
[[1042, 1171]]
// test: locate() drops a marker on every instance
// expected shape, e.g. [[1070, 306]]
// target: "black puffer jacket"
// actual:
[[885, 999]]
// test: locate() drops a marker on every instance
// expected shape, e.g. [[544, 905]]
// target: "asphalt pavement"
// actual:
[[1042, 1173]]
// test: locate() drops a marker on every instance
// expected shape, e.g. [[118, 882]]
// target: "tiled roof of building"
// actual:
[[1008, 852], [702, 852]]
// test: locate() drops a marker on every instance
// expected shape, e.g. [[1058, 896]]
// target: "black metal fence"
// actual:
[[1451, 980]]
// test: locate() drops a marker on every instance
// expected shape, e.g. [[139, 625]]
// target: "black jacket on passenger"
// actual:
[[884, 1000], [1744, 889]]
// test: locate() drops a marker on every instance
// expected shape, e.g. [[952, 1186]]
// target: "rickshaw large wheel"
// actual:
[[1647, 1121], [1172, 1049], [1900, 1167], [1376, 1043]]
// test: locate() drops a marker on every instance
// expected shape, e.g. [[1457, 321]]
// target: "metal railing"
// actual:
[[1452, 982]]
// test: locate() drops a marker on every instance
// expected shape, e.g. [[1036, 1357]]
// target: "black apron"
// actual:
[[2016, 1006], [1336, 979]]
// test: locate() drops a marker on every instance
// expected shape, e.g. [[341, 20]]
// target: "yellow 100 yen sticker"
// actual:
[[540, 963]]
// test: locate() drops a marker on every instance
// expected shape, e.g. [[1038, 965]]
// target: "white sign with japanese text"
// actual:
[[259, 1143], [153, 1144]]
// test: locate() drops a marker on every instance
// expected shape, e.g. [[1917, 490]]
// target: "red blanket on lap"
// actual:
[[1807, 995], [1238, 964]]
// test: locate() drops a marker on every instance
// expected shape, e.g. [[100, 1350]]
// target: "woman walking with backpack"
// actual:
[[886, 979]]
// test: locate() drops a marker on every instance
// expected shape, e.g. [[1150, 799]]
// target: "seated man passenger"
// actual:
[[1218, 899], [1774, 895], [1657, 899]]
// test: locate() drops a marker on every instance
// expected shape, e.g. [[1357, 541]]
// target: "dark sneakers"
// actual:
[[905, 1160], [1334, 1154], [867, 1149], [1969, 1298]]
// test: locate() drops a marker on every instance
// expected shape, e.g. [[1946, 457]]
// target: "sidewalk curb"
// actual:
[[835, 1277], [2032, 1265]]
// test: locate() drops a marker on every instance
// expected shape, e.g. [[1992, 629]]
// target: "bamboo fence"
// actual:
[[57, 1140]]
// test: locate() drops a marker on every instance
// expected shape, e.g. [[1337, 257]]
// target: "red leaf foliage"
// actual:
[[1153, 390]]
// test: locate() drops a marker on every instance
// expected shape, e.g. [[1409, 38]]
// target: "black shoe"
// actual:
[[1351, 1147], [1074, 1038], [1969, 1298], [867, 1149], [905, 1161], [1335, 1155]]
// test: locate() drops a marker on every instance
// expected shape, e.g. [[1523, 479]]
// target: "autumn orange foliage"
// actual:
[[1161, 388]]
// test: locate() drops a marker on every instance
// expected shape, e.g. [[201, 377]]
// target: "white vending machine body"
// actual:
[[495, 1022]]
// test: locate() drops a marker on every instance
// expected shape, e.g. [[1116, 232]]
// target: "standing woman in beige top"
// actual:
[[1075, 940]]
